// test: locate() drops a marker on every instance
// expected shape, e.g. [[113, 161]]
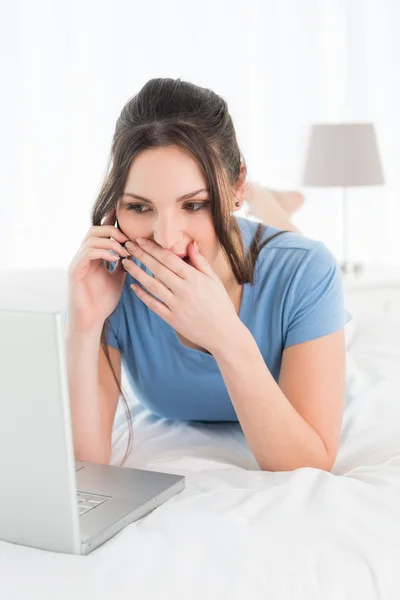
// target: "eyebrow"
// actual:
[[180, 199]]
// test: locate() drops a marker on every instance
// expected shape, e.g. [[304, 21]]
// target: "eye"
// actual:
[[197, 206], [133, 207]]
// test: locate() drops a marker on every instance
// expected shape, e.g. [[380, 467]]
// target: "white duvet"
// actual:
[[237, 532]]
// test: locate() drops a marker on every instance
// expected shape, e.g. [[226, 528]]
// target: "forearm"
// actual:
[[83, 384], [280, 439]]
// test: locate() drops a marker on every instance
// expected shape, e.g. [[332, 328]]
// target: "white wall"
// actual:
[[69, 67]]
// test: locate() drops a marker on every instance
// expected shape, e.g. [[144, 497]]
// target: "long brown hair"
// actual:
[[168, 112]]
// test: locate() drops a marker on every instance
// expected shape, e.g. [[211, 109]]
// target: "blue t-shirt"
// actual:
[[297, 296]]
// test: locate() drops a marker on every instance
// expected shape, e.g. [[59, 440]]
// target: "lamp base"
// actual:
[[350, 268]]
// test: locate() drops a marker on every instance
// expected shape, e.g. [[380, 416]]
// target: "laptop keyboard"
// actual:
[[88, 502]]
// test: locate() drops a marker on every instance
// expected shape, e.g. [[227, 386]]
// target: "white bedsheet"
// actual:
[[236, 532]]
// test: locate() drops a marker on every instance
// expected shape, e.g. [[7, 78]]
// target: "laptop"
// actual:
[[49, 500]]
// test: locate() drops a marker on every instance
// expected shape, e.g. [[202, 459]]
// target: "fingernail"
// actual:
[[131, 246]]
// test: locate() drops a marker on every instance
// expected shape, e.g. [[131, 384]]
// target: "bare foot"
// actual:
[[264, 205], [290, 201]]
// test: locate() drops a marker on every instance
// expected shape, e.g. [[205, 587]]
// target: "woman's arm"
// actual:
[[302, 428], [89, 438]]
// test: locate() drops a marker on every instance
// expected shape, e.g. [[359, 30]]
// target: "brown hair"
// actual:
[[168, 112]]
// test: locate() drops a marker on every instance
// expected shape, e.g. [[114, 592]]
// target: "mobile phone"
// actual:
[[118, 227]]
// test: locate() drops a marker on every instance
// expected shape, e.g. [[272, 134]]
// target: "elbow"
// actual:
[[98, 460], [323, 463], [101, 458], [328, 464]]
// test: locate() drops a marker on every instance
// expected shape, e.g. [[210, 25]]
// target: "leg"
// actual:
[[266, 206], [290, 201]]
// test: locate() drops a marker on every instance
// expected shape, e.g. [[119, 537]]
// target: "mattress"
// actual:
[[238, 532]]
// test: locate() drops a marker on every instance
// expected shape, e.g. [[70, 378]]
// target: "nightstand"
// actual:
[[374, 291]]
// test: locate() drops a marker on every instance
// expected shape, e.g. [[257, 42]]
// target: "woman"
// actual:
[[216, 317], [273, 207]]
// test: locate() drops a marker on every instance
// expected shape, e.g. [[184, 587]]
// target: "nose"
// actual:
[[167, 232]]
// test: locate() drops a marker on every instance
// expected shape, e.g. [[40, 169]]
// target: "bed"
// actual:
[[237, 532]]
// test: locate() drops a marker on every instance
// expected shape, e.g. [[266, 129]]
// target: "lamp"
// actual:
[[343, 155]]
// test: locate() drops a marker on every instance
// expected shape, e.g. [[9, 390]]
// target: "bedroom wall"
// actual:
[[68, 68]]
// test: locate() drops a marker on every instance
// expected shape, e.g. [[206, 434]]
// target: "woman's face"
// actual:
[[162, 176]]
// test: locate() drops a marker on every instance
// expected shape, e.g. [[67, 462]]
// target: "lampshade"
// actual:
[[343, 154]]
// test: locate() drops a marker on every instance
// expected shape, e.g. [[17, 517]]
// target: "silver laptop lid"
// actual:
[[38, 493]]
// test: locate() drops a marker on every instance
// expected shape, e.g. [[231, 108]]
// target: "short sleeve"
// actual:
[[315, 304], [113, 320], [112, 328]]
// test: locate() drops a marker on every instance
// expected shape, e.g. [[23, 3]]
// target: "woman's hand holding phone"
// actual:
[[93, 291]]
